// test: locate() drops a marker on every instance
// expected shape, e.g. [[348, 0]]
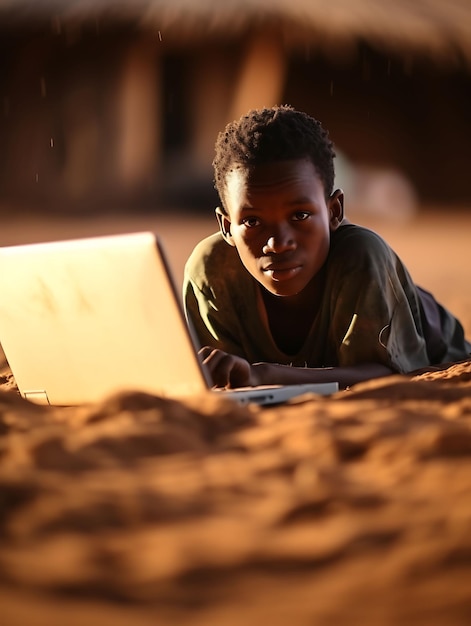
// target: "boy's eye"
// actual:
[[250, 222], [299, 216]]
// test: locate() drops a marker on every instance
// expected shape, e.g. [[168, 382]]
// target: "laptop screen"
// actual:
[[84, 318]]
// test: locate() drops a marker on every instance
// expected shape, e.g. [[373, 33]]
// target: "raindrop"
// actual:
[[160, 36], [43, 87], [52, 142]]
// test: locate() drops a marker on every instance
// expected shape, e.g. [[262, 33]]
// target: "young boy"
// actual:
[[289, 291]]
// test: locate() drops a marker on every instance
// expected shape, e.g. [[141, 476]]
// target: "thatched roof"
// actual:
[[438, 29]]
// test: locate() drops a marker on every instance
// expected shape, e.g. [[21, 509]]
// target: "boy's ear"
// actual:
[[335, 206], [224, 225]]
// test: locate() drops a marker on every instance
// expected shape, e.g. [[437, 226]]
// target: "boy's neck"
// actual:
[[290, 318]]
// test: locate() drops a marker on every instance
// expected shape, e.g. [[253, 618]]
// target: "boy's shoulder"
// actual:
[[353, 240], [210, 250], [211, 259]]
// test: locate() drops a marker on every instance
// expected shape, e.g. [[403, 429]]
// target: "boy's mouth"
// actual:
[[280, 273]]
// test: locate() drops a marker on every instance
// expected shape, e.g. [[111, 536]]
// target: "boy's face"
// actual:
[[280, 222]]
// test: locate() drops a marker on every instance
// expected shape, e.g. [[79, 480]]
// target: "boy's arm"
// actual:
[[228, 370], [206, 328]]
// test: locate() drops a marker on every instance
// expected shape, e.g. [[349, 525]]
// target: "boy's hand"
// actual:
[[226, 369]]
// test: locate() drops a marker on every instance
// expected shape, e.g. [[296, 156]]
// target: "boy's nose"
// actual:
[[282, 241]]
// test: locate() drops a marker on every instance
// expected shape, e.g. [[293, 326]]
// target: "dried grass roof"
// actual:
[[438, 29]]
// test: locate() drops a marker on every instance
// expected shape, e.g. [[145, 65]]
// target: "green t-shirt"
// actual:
[[370, 309]]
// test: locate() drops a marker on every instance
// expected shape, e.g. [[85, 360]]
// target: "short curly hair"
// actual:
[[269, 135]]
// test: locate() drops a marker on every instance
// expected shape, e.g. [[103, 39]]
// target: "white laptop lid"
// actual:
[[84, 318]]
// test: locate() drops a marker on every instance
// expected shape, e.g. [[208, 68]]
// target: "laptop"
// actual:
[[85, 318]]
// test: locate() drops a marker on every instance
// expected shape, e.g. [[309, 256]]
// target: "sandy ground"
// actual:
[[353, 509]]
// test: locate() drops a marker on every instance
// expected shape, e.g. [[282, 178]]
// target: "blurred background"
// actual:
[[114, 105]]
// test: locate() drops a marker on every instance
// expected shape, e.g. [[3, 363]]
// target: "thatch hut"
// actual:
[[109, 102]]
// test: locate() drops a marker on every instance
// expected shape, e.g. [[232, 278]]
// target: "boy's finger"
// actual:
[[205, 352]]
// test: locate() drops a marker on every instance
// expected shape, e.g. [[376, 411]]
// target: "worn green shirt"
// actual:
[[371, 311]]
